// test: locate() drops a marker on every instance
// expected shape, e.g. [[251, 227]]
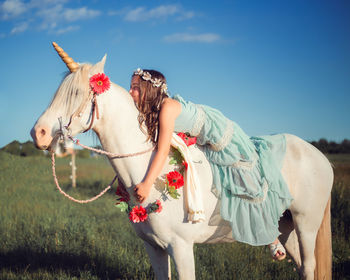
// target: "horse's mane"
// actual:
[[73, 90]]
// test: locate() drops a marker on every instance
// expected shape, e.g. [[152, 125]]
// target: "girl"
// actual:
[[246, 170]]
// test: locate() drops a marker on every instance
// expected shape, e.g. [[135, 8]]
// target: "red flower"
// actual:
[[187, 139], [99, 83], [185, 164], [175, 179], [138, 214], [160, 208]]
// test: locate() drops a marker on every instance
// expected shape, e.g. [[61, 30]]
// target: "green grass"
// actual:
[[43, 235], [339, 158]]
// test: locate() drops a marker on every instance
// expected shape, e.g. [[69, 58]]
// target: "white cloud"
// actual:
[[137, 14], [79, 14], [67, 29], [186, 15], [45, 3], [163, 11], [186, 37], [20, 28], [50, 15], [11, 9], [120, 12]]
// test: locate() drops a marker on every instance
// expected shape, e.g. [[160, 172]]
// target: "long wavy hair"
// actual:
[[149, 104]]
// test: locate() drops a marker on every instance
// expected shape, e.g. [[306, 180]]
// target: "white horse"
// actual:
[[306, 170]]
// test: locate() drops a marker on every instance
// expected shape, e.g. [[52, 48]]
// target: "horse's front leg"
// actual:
[[160, 261], [182, 253]]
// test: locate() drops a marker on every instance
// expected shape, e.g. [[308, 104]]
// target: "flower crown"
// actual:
[[155, 82]]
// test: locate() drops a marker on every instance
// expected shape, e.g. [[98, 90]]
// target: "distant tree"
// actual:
[[332, 147], [345, 146], [22, 149], [323, 145], [28, 149], [13, 148]]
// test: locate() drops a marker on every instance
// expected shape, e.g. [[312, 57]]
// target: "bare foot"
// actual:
[[277, 250]]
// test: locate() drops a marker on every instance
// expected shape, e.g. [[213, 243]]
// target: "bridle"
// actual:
[[79, 112]]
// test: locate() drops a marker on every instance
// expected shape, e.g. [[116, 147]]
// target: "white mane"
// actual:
[[73, 90]]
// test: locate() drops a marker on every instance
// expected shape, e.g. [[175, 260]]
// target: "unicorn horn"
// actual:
[[71, 64]]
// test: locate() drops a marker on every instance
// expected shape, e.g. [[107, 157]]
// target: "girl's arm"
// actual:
[[169, 111]]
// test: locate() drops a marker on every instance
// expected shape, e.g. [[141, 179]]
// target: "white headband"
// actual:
[[155, 82]]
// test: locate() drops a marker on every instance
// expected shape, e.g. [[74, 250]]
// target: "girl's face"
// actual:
[[135, 88]]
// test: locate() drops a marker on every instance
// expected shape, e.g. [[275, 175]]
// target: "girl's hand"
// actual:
[[142, 191]]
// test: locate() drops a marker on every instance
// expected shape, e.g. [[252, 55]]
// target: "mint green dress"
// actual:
[[246, 172]]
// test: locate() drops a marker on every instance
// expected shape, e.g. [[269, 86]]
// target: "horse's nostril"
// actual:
[[41, 132]]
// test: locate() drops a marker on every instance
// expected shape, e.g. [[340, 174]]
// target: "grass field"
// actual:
[[45, 236]]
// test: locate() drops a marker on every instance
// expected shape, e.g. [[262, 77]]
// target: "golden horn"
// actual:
[[71, 64]]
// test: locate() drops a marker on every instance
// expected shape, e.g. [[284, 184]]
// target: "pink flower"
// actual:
[[160, 208], [138, 214], [175, 179], [99, 83], [187, 139], [155, 207]]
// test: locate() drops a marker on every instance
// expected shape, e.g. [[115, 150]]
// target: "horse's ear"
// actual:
[[99, 66]]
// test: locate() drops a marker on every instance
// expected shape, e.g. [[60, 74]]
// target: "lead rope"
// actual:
[[67, 195], [76, 141], [102, 152]]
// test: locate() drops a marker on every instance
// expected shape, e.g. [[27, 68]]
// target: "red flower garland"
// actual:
[[99, 83], [138, 214], [175, 179], [187, 139]]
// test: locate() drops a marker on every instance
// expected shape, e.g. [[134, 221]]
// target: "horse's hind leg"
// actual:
[[306, 230], [160, 261], [309, 176]]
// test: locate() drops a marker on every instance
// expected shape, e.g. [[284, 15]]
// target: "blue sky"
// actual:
[[271, 66]]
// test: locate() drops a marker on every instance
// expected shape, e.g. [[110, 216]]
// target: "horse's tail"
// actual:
[[323, 250]]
